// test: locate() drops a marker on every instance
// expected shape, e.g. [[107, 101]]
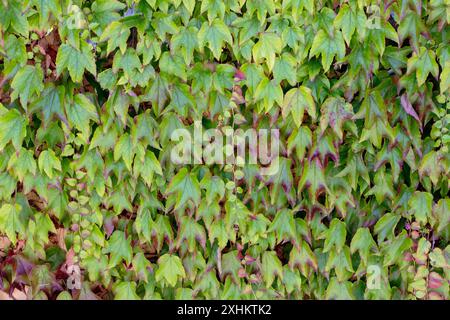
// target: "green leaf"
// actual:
[[81, 112], [362, 242], [186, 42], [75, 60], [313, 179], [141, 266], [335, 236], [119, 248], [170, 269], [22, 163], [26, 83], [125, 290], [214, 188], [147, 168], [328, 46], [441, 212], [191, 233], [269, 92], [296, 101], [282, 180], [334, 112], [186, 187], [268, 45], [12, 128], [124, 149], [48, 162], [394, 251], [420, 205], [214, 34], [284, 226], [117, 34], [285, 69], [271, 267], [337, 290], [126, 61], [51, 103], [10, 222], [423, 63], [384, 227], [172, 64], [349, 20]]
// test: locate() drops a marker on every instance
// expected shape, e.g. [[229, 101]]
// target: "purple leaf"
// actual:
[[409, 108]]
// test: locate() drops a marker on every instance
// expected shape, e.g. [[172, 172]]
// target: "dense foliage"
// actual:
[[92, 207]]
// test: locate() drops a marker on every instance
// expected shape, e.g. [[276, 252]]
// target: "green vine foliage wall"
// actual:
[[92, 207]]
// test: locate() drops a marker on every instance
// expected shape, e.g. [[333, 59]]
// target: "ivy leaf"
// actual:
[[362, 242], [269, 92], [51, 103], [186, 187], [282, 181], [126, 290], [181, 99], [268, 45], [341, 263], [191, 232], [303, 258], [283, 225], [394, 251], [170, 269], [190, 5], [313, 179], [116, 33], [335, 236], [296, 101], [119, 248], [297, 7], [214, 187], [383, 188], [385, 226], [348, 21], [354, 170], [407, 106], [328, 46], [271, 267], [300, 139], [431, 166], [27, 82], [147, 168], [48, 162], [218, 231], [170, 64], [22, 163], [127, 61], [141, 266], [334, 112], [411, 26], [420, 205], [81, 112], [186, 42], [423, 63], [441, 213], [12, 128], [124, 149], [10, 222], [75, 60], [214, 34], [285, 69], [339, 290]]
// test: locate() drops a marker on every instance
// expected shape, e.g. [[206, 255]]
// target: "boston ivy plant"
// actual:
[[92, 207]]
